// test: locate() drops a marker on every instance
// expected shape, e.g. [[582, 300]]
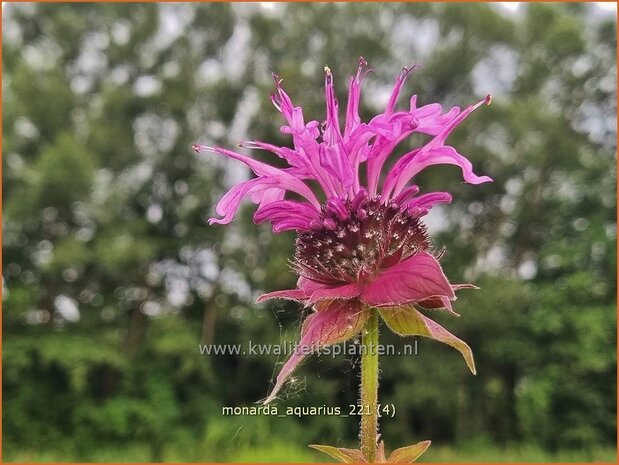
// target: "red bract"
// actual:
[[366, 246]]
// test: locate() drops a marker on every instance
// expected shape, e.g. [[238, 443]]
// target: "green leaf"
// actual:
[[341, 454], [408, 454], [406, 321]]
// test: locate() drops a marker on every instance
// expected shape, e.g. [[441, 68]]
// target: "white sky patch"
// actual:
[[67, 308], [436, 220], [511, 6], [235, 53], [174, 20], [607, 6], [496, 72], [527, 269], [515, 6]]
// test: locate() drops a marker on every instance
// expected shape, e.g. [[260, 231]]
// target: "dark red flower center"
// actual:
[[353, 240]]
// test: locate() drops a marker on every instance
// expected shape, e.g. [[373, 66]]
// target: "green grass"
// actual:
[[275, 452]]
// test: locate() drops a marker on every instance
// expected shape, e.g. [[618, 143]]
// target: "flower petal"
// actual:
[[286, 180], [345, 291], [337, 323], [435, 151], [391, 130], [332, 134], [399, 82], [292, 157], [354, 96], [286, 214], [335, 161], [313, 291], [406, 321], [411, 280], [413, 162], [283, 103], [438, 302], [256, 189], [307, 162], [461, 116], [304, 137], [298, 295], [431, 120], [341, 454], [258, 167], [408, 454], [427, 201]]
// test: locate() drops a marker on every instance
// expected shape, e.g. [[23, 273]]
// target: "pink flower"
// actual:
[[361, 244]]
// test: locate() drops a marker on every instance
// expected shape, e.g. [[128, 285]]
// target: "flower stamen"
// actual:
[[346, 239]]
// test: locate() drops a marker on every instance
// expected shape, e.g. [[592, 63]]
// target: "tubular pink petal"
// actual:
[[305, 288], [397, 88], [262, 190], [264, 197], [330, 224], [412, 163], [336, 206], [286, 214], [293, 115], [332, 133], [411, 280], [357, 147], [407, 194], [308, 163], [431, 121], [258, 167], [442, 126], [396, 129], [354, 96], [334, 160], [288, 225], [442, 136], [429, 200], [359, 200], [407, 321], [291, 156], [304, 138], [254, 188], [340, 321], [288, 181], [282, 101], [433, 125], [298, 295]]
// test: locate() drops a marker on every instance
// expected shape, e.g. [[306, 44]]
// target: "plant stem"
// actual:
[[369, 387]]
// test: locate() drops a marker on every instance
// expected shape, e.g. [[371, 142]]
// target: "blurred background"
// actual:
[[111, 276]]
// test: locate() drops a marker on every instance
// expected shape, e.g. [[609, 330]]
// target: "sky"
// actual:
[[512, 6], [607, 6]]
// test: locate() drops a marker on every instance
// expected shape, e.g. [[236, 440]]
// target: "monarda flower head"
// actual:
[[361, 243]]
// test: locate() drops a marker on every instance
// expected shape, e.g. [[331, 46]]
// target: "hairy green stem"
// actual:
[[369, 387]]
